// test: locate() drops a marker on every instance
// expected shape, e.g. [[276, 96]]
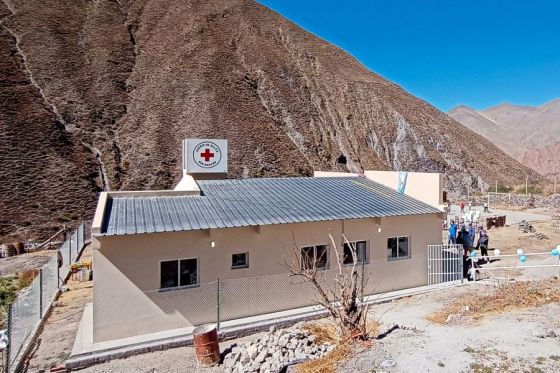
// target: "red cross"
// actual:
[[207, 155]]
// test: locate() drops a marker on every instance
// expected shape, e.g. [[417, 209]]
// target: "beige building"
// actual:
[[158, 255]]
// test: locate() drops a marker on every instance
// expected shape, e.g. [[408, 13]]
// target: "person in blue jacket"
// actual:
[[452, 233]]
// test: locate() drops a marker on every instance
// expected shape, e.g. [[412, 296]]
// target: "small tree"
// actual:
[[340, 295]]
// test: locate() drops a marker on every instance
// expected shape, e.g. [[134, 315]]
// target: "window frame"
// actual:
[[327, 262], [390, 258], [366, 261], [179, 274], [246, 265]]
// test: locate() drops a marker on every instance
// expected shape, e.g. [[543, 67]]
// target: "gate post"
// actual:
[[218, 305]]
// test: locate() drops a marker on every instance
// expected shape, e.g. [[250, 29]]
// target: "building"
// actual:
[[159, 254]]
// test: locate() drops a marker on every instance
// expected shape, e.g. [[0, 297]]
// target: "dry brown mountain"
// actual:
[[529, 134], [98, 94]]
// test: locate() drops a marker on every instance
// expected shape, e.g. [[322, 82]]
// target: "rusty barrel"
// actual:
[[206, 345]]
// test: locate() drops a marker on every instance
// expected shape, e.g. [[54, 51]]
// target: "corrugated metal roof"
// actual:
[[250, 202]]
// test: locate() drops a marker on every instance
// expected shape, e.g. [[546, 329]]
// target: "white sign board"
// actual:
[[205, 155]]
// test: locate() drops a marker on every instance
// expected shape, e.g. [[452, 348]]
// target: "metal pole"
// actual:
[[527, 185], [218, 306], [496, 186], [9, 332], [363, 280], [40, 293], [555, 180]]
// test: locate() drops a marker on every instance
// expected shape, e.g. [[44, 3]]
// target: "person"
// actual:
[[470, 205], [452, 233], [449, 207], [485, 207], [482, 243], [465, 239], [472, 233], [462, 205]]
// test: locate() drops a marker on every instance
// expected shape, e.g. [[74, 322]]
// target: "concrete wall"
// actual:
[[127, 301], [424, 186]]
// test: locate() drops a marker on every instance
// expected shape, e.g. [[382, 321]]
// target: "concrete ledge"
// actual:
[[87, 353]]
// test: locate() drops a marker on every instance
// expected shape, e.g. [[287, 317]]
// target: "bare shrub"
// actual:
[[339, 295]]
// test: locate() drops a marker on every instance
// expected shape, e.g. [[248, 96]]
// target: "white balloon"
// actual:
[[520, 252], [497, 252]]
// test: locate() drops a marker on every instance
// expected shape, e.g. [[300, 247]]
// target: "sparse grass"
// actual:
[[480, 368], [469, 349], [554, 357], [328, 333], [501, 298]]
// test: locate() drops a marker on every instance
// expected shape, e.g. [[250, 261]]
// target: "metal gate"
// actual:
[[445, 263]]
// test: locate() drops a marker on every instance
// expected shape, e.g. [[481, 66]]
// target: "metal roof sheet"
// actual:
[[249, 202]]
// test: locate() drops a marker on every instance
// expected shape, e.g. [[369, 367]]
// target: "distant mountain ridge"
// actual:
[[529, 134], [99, 94]]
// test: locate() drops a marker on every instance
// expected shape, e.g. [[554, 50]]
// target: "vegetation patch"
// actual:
[[499, 299]]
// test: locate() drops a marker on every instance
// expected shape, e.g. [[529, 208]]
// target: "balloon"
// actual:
[[555, 252], [520, 252], [523, 258], [473, 254], [497, 252]]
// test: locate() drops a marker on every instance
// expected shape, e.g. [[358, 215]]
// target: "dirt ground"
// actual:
[[497, 343], [25, 262], [59, 331]]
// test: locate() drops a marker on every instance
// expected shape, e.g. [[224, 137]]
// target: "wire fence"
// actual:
[[32, 304], [230, 299]]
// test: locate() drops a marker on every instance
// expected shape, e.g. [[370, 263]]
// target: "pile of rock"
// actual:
[[273, 351], [525, 227]]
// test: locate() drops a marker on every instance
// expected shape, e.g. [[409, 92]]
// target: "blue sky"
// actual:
[[473, 52]]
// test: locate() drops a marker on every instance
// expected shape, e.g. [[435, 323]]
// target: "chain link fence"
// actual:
[[32, 304], [230, 299]]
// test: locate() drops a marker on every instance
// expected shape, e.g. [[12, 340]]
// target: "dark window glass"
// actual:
[[239, 260], [189, 272], [392, 247], [169, 274], [361, 253], [307, 254], [321, 256], [403, 247]]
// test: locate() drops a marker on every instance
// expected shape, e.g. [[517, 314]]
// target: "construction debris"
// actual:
[[525, 227]]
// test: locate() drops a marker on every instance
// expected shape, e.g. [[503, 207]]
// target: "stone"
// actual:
[[272, 329], [261, 356], [252, 351], [283, 340]]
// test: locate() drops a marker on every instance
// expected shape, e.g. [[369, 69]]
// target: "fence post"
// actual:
[[218, 305], [40, 293], [9, 333], [69, 251], [363, 280]]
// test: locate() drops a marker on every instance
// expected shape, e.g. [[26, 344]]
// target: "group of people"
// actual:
[[467, 235]]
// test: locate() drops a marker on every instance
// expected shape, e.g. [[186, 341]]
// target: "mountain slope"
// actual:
[[128, 80], [530, 134]]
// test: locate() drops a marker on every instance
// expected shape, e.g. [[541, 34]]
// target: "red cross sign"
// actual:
[[207, 155]]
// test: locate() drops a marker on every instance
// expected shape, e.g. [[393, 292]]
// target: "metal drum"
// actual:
[[206, 345]]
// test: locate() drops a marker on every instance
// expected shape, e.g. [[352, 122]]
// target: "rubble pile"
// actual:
[[525, 227], [273, 351]]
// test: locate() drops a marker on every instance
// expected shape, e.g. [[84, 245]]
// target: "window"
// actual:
[[314, 257], [240, 260], [361, 252], [177, 273], [398, 248]]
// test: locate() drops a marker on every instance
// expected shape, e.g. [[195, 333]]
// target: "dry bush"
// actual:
[[25, 278], [501, 298], [328, 333], [329, 362]]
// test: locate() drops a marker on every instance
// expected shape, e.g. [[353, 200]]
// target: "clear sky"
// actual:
[[475, 52]]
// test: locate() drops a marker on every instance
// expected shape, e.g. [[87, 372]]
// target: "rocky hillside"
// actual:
[[529, 134], [98, 94]]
